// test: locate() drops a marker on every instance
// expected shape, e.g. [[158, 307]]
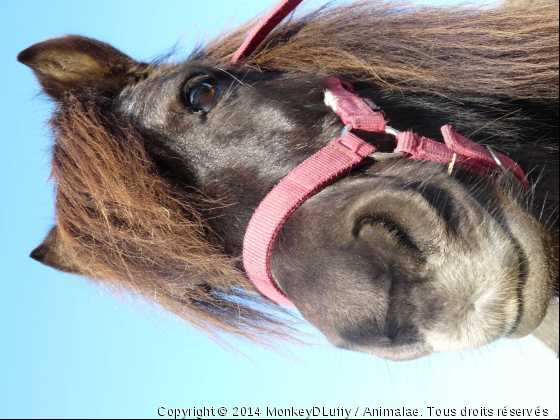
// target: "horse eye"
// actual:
[[202, 95]]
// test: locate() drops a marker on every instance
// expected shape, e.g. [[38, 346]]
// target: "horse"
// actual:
[[159, 166]]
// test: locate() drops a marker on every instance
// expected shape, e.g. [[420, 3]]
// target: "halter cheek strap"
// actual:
[[310, 177], [341, 156]]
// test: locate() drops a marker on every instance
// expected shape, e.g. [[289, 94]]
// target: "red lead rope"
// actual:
[[338, 158]]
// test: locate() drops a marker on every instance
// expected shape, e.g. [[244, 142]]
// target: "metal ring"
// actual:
[[506, 174], [379, 156], [391, 131], [495, 157], [346, 129], [385, 157]]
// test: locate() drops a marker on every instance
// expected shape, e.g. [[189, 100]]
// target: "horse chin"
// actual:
[[399, 353], [538, 272]]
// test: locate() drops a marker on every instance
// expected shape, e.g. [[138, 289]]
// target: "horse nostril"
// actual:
[[390, 230], [416, 222]]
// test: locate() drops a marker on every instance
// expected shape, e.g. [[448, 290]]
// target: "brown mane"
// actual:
[[125, 225], [509, 51]]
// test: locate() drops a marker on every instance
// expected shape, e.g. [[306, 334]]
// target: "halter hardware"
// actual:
[[379, 156]]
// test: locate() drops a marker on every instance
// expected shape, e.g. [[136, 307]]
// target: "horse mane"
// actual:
[[127, 226], [510, 51]]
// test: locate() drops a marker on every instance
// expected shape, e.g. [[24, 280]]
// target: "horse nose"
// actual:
[[449, 260]]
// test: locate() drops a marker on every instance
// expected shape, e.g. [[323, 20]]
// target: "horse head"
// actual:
[[160, 166]]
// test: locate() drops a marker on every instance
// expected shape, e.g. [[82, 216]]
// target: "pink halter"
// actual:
[[338, 158]]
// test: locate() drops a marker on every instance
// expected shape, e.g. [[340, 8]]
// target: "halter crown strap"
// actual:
[[264, 27]]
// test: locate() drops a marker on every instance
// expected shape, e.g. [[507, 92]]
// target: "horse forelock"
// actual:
[[126, 226]]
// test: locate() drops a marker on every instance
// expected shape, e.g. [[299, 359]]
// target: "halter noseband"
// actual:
[[339, 157]]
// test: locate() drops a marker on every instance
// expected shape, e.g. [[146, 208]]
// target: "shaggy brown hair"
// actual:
[[511, 51], [125, 225]]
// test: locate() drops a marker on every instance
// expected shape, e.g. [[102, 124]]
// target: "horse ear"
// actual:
[[51, 253], [79, 64]]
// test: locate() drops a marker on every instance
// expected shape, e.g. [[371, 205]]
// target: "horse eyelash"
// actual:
[[190, 83]]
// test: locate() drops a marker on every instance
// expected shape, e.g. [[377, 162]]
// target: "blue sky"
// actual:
[[71, 349]]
